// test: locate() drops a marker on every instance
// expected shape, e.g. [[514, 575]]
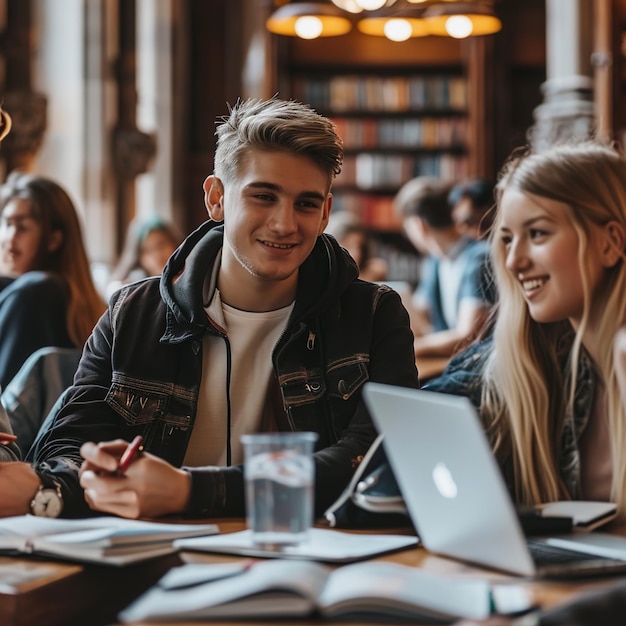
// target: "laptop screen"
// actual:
[[452, 486]]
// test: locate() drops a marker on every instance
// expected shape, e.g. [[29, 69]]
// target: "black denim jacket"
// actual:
[[141, 370]]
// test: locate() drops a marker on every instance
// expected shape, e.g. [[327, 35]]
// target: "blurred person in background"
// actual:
[[452, 300], [346, 228], [472, 204], [47, 294], [149, 244]]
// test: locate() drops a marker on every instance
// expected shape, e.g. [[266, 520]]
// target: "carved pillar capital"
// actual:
[[132, 151], [567, 112], [28, 113]]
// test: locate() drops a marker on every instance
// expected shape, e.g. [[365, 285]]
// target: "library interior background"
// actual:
[[117, 99]]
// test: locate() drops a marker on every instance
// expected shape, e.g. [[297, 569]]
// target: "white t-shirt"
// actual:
[[451, 269], [252, 337]]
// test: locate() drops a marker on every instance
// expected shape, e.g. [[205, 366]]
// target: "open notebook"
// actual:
[[107, 540], [330, 546]]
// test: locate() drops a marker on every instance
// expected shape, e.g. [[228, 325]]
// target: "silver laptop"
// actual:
[[456, 496]]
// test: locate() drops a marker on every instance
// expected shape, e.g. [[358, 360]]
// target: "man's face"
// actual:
[[273, 210], [467, 218]]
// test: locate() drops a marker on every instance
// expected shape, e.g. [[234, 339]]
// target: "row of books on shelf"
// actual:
[[382, 93], [425, 132], [376, 211], [388, 171]]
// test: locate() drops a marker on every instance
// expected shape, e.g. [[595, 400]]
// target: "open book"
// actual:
[[372, 591], [108, 540], [322, 544]]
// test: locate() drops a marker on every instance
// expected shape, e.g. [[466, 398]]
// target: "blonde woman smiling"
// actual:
[[550, 380]]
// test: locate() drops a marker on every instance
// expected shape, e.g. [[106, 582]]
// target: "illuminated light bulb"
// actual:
[[308, 27], [459, 26], [398, 29], [352, 6], [371, 5]]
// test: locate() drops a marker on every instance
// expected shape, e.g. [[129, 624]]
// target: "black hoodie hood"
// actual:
[[323, 277]]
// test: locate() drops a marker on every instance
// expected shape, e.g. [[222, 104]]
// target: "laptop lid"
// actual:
[[456, 496], [449, 478]]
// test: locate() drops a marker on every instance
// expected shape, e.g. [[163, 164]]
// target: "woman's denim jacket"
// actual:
[[141, 371], [464, 377]]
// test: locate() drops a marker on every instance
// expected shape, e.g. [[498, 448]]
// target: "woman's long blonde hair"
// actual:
[[530, 378], [52, 208]]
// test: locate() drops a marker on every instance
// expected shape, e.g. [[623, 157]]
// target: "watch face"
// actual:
[[47, 503]]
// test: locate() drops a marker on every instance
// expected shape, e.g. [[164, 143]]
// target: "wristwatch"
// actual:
[[48, 501]]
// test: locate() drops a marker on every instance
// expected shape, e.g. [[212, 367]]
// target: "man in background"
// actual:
[[452, 300]]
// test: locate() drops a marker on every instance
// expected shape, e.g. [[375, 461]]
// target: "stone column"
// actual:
[[161, 80], [101, 20], [567, 111]]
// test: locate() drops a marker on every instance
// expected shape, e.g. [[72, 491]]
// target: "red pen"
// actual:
[[133, 449], [7, 438]]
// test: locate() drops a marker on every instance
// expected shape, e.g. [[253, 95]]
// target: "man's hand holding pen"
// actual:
[[133, 449], [122, 479]]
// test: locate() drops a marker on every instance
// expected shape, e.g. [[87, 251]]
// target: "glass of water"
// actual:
[[279, 475]]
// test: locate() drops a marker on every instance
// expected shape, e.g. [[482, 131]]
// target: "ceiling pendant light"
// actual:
[[413, 18], [373, 5], [358, 6], [308, 27], [308, 20], [396, 25], [462, 19], [459, 26], [397, 29], [352, 6]]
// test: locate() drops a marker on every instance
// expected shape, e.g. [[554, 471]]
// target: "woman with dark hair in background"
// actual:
[[47, 297]]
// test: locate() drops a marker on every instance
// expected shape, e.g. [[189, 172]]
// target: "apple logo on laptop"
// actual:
[[444, 482]]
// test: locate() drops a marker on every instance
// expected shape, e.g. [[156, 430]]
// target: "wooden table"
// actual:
[[41, 592], [52, 593]]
